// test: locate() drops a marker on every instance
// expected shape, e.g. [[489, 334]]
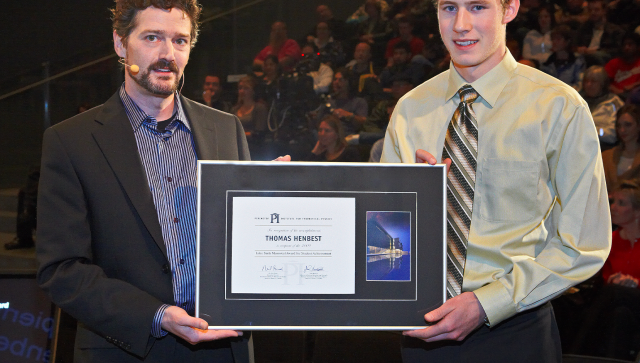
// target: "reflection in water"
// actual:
[[394, 267]]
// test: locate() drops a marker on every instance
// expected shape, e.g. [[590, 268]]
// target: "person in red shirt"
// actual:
[[623, 265], [624, 71], [287, 50], [611, 322], [405, 32]]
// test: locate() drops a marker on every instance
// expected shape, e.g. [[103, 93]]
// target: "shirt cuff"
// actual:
[[496, 302], [156, 326]]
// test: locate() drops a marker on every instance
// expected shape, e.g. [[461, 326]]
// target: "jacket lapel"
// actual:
[[204, 133], [118, 144]]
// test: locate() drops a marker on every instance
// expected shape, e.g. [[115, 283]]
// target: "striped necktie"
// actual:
[[461, 146]]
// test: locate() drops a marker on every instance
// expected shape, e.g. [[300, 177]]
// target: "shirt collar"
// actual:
[[490, 85], [137, 116]]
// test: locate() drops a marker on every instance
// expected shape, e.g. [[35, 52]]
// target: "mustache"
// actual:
[[163, 63]]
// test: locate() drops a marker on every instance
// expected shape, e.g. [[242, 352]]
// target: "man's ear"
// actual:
[[120, 48], [510, 11]]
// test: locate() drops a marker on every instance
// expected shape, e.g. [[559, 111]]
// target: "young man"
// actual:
[[527, 208], [117, 201]]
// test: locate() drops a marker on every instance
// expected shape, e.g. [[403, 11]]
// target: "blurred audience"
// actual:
[[611, 325], [331, 144], [602, 103], [361, 68], [405, 33], [331, 52], [287, 50], [375, 29], [321, 73], [337, 27], [402, 67], [624, 71], [537, 43], [562, 63], [212, 92], [252, 114], [344, 105], [623, 161], [597, 39]]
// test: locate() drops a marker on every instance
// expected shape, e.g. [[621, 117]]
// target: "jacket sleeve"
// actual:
[[112, 308]]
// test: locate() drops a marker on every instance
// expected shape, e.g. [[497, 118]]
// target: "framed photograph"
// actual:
[[320, 246]]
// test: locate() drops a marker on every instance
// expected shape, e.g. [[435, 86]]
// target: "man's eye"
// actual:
[[478, 7], [449, 8], [151, 38], [181, 42]]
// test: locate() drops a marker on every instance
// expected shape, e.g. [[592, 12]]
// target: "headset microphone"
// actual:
[[133, 68]]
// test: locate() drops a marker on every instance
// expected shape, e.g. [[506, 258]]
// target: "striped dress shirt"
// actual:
[[170, 162]]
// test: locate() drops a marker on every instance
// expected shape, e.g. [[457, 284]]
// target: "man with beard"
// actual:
[[117, 202]]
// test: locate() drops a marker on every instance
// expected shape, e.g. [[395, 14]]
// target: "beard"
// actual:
[[161, 89]]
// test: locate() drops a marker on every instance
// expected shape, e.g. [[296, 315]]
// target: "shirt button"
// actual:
[[184, 304], [182, 261], [176, 220], [169, 179], [165, 268]]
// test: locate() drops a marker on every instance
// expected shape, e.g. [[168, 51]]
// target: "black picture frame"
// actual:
[[417, 189]]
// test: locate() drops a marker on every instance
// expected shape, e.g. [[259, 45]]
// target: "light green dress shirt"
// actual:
[[540, 221]]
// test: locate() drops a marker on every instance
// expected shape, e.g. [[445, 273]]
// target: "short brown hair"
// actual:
[[123, 15]]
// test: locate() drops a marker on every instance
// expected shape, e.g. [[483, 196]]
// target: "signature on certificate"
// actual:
[[313, 268], [272, 268]]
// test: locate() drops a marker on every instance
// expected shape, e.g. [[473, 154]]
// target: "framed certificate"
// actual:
[[320, 246]]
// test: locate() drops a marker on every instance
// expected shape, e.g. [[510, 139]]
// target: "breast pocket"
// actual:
[[507, 190]]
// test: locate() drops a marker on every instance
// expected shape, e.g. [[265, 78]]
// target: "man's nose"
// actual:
[[462, 22], [168, 51]]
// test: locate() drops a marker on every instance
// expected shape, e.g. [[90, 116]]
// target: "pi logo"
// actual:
[[275, 218]]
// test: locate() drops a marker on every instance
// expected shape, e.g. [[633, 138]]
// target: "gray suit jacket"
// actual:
[[100, 247]]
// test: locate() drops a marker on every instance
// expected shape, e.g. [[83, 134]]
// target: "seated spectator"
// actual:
[[272, 73], [611, 324], [287, 50], [331, 52], [321, 73], [574, 13], [537, 43], [623, 265], [562, 63], [405, 8], [598, 40], [623, 161], [252, 114], [375, 30], [331, 145], [337, 27], [624, 71], [361, 68], [625, 13], [344, 105], [361, 14], [402, 67], [422, 13], [376, 123], [602, 103], [211, 92], [405, 33]]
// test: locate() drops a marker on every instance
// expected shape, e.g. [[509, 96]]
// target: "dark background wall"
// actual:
[[69, 33]]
